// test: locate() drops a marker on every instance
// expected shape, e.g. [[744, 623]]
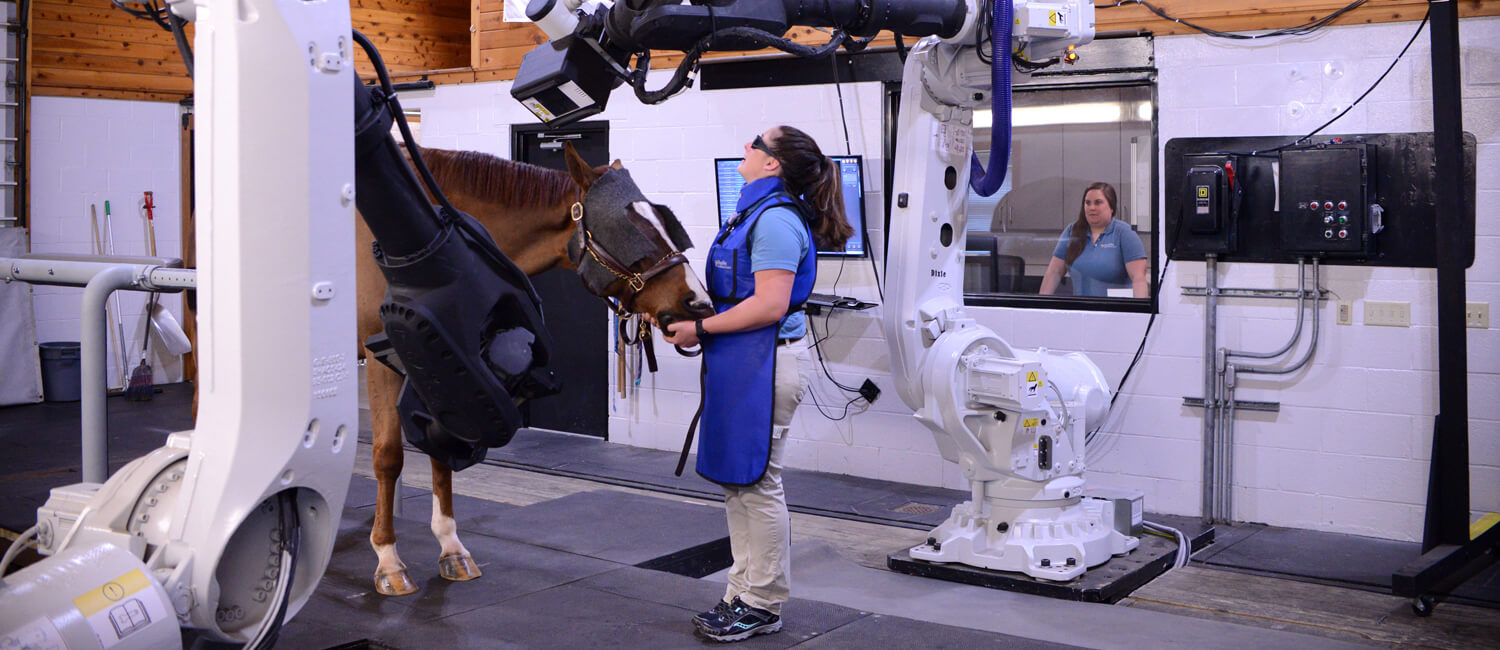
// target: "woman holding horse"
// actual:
[[761, 269]]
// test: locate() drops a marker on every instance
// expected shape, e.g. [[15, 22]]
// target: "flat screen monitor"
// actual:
[[851, 173]]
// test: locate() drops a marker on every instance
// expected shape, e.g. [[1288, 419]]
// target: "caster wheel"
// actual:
[[1423, 606]]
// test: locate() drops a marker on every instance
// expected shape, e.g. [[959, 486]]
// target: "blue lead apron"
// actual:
[[734, 446]]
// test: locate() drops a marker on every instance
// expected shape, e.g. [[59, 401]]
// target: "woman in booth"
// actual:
[[761, 269], [1100, 252]]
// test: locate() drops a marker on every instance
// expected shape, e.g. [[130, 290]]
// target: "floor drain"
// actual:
[[914, 508]]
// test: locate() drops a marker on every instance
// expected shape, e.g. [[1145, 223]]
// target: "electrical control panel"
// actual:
[[1207, 204], [1327, 204], [1344, 199]]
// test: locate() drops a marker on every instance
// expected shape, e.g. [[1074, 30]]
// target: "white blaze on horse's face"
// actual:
[[644, 209]]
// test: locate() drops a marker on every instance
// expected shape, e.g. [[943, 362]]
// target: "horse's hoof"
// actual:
[[394, 583], [458, 567]]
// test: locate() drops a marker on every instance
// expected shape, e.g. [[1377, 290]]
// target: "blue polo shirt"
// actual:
[[1101, 265], [779, 241]]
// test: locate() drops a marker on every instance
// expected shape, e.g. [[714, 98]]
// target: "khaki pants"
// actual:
[[759, 527]]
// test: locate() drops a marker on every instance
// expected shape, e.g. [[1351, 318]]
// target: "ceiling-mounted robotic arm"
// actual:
[[570, 77]]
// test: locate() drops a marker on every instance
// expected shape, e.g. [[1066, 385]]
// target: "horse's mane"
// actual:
[[506, 182]]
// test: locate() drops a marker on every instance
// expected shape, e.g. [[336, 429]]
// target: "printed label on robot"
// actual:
[[121, 607], [950, 142], [538, 109], [1031, 422]]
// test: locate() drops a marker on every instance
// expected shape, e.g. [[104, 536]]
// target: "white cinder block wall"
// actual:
[[87, 151], [1348, 451]]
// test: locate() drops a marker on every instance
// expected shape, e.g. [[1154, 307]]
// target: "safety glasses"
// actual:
[[760, 143]]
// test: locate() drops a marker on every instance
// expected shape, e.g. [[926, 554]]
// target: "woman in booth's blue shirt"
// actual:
[[761, 269], [1101, 252]]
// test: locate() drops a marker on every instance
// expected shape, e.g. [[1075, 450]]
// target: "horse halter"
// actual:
[[587, 243]]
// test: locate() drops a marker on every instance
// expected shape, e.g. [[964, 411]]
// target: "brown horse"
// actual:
[[530, 211]]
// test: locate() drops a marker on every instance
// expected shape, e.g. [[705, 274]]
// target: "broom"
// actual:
[[141, 386]]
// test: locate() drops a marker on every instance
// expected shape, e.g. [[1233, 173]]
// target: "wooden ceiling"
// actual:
[[87, 48]]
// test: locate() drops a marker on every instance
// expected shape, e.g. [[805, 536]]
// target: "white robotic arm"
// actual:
[[1014, 420], [204, 533]]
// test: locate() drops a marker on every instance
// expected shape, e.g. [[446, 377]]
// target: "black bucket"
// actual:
[[61, 372]]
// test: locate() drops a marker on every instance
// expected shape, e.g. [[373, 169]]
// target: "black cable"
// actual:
[[1367, 92], [848, 151], [984, 32], [819, 405], [690, 60], [1299, 30], [1304, 140], [290, 525], [447, 214], [180, 36], [153, 12], [1027, 67], [1145, 336], [828, 333], [415, 152]]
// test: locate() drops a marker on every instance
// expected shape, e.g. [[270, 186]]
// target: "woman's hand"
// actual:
[[683, 334]]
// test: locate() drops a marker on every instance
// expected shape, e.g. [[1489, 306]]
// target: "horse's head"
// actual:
[[630, 249]]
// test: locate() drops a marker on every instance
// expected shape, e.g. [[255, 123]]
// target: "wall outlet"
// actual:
[[1477, 314], [1389, 314], [1346, 312]]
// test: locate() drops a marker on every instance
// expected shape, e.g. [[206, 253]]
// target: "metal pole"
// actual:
[[1210, 385], [93, 384], [1448, 486]]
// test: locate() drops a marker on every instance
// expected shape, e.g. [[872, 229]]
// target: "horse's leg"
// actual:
[[391, 578], [455, 563]]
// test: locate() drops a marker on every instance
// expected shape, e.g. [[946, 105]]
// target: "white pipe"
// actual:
[[93, 382]]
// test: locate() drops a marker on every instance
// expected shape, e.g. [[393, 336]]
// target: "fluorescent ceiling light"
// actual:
[[1085, 113]]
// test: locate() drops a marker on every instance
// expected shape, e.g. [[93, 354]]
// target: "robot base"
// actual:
[[1051, 542]]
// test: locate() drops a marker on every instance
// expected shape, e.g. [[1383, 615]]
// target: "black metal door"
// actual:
[[577, 319]]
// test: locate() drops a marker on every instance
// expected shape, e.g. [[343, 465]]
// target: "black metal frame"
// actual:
[[1447, 548]]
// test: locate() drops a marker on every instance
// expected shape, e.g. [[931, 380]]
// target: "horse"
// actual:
[[533, 213]]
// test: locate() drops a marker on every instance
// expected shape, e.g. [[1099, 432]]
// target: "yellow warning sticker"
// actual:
[[1031, 376], [111, 593], [1052, 18], [1031, 422]]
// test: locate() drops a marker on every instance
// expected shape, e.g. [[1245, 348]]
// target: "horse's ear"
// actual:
[[616, 164], [582, 173]]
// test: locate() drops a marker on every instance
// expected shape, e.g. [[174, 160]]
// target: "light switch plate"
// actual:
[[1346, 312], [1389, 314]]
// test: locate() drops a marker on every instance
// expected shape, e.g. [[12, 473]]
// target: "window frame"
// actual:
[[1148, 305]]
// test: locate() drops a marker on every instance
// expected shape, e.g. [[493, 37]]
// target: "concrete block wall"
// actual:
[[1347, 452], [87, 151]]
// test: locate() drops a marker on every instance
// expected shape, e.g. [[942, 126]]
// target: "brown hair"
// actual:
[[814, 176], [1080, 232]]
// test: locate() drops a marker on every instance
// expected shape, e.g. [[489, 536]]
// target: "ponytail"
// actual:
[[815, 177]]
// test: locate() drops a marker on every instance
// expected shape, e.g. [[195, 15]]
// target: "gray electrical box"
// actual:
[[1129, 508]]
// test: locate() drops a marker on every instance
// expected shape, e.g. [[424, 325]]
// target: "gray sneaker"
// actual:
[[739, 622]]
